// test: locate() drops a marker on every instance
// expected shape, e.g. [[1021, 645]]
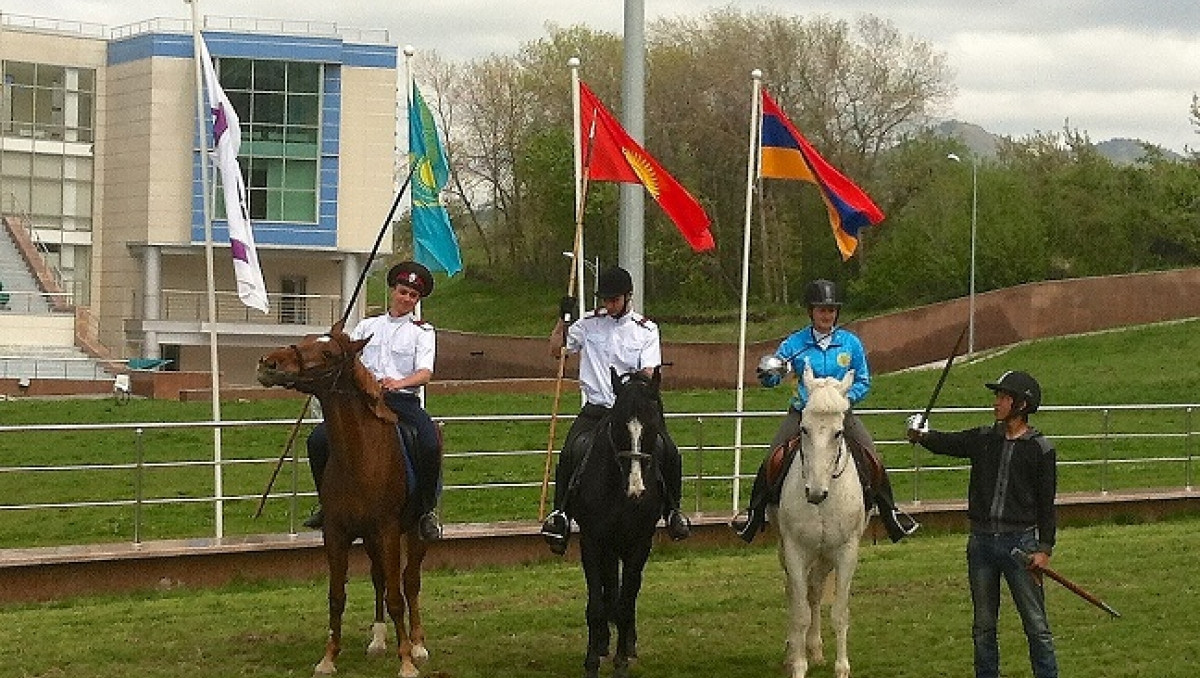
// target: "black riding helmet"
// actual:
[[614, 282], [411, 274], [822, 292], [1021, 386]]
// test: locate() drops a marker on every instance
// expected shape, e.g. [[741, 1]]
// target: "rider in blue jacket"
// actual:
[[830, 351]]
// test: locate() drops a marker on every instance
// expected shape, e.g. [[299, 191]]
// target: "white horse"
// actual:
[[821, 519]]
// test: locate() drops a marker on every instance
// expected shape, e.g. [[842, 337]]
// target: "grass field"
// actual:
[[1107, 368], [712, 613]]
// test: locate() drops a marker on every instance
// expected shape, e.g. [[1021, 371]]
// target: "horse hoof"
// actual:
[[378, 646], [420, 654], [325, 668]]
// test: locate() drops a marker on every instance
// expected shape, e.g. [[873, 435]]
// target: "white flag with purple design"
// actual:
[[227, 141]]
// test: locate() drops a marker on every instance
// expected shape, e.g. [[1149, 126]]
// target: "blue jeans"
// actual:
[[989, 556]]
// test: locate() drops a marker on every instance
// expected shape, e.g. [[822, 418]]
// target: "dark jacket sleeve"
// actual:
[[1047, 488], [960, 444]]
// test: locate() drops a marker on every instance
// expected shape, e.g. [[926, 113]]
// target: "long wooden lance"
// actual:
[[576, 254], [362, 277], [942, 379], [1027, 559]]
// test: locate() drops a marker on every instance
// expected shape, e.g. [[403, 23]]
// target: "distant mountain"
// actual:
[[984, 144]]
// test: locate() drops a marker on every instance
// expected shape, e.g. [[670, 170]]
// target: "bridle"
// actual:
[[331, 373], [840, 463]]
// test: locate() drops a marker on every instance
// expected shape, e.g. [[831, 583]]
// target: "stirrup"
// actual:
[[746, 525], [316, 520], [678, 525], [556, 531], [429, 528], [905, 522]]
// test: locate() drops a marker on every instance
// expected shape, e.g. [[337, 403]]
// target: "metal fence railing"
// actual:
[[87, 483]]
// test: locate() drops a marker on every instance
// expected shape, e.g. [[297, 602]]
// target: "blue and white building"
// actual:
[[100, 168]]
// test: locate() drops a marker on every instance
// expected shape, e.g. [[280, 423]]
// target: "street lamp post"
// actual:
[[974, 224]]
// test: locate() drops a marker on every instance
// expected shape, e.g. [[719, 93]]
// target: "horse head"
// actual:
[[822, 444], [325, 366], [636, 422]]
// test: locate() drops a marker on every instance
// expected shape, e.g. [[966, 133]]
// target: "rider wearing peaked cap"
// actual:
[[400, 354]]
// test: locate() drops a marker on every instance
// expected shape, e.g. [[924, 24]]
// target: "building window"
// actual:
[[293, 304], [44, 101], [278, 103]]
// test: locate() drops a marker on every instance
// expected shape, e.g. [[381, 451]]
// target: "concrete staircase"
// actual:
[[19, 284]]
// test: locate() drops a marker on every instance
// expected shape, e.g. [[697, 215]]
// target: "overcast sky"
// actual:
[[1111, 68]]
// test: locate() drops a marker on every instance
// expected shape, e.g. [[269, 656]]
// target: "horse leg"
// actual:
[[626, 612], [599, 570], [337, 557], [840, 611], [392, 555], [378, 645], [414, 556], [818, 579], [799, 614]]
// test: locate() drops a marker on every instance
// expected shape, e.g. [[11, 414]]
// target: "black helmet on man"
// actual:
[[1021, 386], [614, 282], [411, 274], [822, 292]]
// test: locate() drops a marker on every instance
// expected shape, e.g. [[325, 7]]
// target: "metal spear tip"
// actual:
[[409, 50], [573, 62], [756, 74], [954, 157]]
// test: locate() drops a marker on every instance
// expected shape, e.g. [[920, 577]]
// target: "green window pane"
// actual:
[[268, 108], [304, 77], [235, 74], [300, 174], [270, 76], [303, 109]]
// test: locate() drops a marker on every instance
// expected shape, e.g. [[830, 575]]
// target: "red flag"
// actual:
[[615, 156]]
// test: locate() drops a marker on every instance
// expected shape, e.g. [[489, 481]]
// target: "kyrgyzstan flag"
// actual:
[[613, 155]]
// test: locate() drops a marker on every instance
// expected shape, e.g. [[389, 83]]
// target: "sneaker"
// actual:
[[316, 520], [746, 525], [678, 525], [556, 530], [429, 527]]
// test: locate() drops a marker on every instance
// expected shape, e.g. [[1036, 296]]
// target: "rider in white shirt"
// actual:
[[612, 336]]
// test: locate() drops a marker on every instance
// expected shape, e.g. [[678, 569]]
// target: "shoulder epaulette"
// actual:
[[423, 324], [645, 322], [1043, 442]]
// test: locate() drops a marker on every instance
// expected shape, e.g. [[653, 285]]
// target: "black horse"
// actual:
[[617, 504]]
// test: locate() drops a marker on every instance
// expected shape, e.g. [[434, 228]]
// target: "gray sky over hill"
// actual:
[[1110, 68]]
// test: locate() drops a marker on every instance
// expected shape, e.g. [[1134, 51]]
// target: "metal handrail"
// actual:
[[705, 458]]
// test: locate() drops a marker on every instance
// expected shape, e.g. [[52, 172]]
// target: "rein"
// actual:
[[330, 372], [842, 459]]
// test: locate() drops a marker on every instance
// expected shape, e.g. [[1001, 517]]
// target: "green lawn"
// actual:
[[701, 613]]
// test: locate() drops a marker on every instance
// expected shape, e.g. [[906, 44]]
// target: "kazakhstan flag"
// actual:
[[434, 242]]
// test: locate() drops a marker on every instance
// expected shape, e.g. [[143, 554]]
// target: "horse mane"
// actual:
[[361, 377]]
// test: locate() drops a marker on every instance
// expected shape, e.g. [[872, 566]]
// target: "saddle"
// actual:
[[870, 469]]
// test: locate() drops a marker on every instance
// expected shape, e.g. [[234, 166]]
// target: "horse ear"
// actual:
[[846, 382], [656, 378], [807, 377], [338, 327], [357, 346], [616, 378]]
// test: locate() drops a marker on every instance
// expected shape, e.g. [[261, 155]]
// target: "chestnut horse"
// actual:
[[363, 490], [617, 504], [821, 520]]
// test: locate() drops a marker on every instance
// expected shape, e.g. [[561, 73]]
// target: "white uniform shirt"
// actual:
[[398, 347], [628, 343]]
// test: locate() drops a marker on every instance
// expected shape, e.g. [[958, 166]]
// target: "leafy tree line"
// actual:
[[1049, 206]]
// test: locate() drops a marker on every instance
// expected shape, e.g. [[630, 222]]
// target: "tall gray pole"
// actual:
[[631, 244]]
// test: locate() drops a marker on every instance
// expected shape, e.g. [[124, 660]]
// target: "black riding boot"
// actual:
[[671, 480], [897, 523], [556, 529], [753, 520], [428, 467], [318, 453]]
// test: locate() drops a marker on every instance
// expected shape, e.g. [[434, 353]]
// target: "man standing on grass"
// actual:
[[1010, 503]]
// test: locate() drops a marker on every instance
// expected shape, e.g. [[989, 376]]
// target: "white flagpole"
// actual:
[[409, 51], [580, 193], [202, 133], [751, 173]]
